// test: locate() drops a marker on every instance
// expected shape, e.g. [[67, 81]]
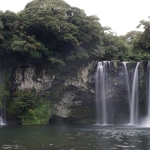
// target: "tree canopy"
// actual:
[[51, 30], [59, 33]]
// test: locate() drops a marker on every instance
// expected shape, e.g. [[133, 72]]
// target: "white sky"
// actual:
[[121, 15]]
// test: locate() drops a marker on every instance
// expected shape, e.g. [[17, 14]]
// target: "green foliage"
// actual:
[[59, 33], [61, 28], [50, 30], [38, 115], [140, 49], [29, 108], [3, 93], [56, 60], [4, 86], [114, 47], [142, 43]]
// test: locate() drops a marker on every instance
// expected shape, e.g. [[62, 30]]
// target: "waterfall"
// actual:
[[127, 84], [2, 104], [127, 81], [2, 116], [134, 98], [146, 122], [1, 122], [101, 90], [148, 90]]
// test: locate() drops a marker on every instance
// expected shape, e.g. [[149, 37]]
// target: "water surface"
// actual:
[[74, 137]]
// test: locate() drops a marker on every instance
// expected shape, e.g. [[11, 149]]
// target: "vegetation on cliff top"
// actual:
[[61, 34]]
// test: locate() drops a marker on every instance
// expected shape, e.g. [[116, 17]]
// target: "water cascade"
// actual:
[[148, 89], [127, 81], [2, 116], [134, 98], [127, 84], [101, 90], [1, 122], [2, 105], [146, 121]]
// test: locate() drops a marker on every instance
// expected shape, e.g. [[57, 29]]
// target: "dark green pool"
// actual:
[[74, 137]]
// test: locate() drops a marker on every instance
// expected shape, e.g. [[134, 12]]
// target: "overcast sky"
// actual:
[[121, 15]]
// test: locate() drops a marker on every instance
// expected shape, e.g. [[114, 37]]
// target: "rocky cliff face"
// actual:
[[26, 78], [73, 99], [76, 100]]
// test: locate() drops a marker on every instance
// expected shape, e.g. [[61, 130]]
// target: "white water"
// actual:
[[102, 86], [127, 81], [146, 121], [134, 98], [127, 84], [1, 121], [101, 90], [2, 116]]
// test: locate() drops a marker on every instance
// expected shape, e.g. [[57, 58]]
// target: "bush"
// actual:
[[29, 108]]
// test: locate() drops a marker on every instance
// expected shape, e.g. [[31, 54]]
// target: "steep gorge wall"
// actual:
[[26, 78], [73, 98]]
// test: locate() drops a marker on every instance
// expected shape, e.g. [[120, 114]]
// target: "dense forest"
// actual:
[[62, 37], [61, 34]]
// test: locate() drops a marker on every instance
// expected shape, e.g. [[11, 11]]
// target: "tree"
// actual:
[[142, 43], [60, 27]]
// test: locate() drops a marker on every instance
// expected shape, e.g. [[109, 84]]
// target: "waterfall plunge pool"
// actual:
[[74, 137]]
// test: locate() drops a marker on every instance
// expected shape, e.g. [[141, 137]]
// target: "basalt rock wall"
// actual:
[[73, 98]]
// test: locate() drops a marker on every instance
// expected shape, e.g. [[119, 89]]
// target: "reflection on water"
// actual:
[[74, 137]]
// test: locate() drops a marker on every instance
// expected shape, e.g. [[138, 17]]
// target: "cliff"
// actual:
[[68, 100], [42, 96]]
